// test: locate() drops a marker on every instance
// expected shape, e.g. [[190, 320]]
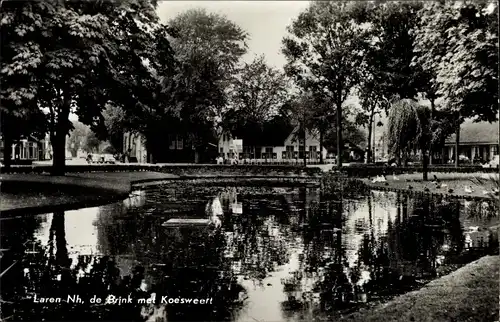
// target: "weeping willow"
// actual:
[[409, 128]]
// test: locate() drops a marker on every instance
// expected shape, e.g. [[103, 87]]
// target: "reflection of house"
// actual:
[[477, 140], [279, 146]]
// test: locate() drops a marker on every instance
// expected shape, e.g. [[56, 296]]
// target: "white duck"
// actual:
[[217, 207], [379, 179], [395, 178], [215, 220], [468, 189]]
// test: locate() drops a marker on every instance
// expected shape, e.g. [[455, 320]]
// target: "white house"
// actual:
[[134, 146], [279, 150]]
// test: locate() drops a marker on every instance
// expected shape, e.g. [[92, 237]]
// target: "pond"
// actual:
[[268, 254]]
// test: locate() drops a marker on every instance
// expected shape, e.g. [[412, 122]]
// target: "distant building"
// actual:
[[174, 149], [477, 141], [134, 147], [27, 149], [278, 147]]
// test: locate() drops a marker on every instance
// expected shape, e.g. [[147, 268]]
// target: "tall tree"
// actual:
[[115, 123], [324, 50], [77, 137], [72, 54], [387, 65], [208, 47], [458, 43], [19, 58], [91, 143], [411, 129], [256, 96]]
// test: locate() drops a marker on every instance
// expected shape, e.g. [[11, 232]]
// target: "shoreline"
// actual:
[[102, 188], [456, 181], [469, 293]]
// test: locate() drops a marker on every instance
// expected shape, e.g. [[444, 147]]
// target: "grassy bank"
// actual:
[[455, 184], [468, 294], [32, 193]]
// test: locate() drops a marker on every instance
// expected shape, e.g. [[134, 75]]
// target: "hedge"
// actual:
[[194, 169], [354, 170]]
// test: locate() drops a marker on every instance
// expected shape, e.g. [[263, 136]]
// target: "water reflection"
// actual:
[[275, 254]]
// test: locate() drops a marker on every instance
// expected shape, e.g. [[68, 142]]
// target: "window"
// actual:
[[289, 152], [248, 152], [269, 152], [313, 154], [180, 143], [301, 151], [495, 149], [171, 140]]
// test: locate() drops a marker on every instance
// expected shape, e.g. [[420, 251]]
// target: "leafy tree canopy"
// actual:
[[458, 42]]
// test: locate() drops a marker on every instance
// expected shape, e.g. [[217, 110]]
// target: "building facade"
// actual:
[[134, 148], [291, 149], [27, 150], [478, 142]]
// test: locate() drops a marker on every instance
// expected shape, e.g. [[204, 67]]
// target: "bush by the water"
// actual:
[[335, 184]]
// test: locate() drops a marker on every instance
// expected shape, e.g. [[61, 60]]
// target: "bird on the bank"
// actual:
[[379, 179], [473, 229], [468, 189]]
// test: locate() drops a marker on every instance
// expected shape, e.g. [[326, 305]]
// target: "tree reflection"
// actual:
[[15, 237], [340, 252], [423, 231]]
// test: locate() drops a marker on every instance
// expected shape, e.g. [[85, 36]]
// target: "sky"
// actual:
[[265, 21]]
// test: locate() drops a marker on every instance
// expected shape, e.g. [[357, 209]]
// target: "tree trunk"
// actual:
[[424, 166], [321, 146], [59, 149], [58, 138], [339, 134], [457, 142], [370, 132], [433, 108], [304, 138], [7, 151], [62, 257]]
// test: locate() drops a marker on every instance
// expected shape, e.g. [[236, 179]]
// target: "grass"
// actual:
[[32, 191], [468, 294]]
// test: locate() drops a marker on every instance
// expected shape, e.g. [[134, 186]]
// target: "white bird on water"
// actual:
[[217, 207], [216, 211], [395, 178], [468, 189], [379, 179]]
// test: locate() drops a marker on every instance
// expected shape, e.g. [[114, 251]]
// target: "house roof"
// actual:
[[476, 132]]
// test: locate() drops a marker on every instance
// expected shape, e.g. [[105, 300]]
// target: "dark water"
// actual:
[[270, 254]]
